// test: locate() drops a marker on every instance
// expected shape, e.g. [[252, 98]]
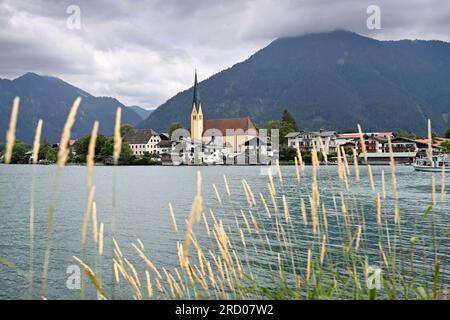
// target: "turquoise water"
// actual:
[[143, 194]]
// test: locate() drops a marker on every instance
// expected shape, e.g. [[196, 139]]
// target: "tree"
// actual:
[[447, 134], [147, 159], [446, 146], [174, 126], [125, 128], [406, 134], [19, 153], [106, 153], [288, 119], [46, 152], [82, 145], [350, 130]]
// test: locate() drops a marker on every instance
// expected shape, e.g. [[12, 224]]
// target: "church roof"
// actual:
[[139, 136], [224, 124]]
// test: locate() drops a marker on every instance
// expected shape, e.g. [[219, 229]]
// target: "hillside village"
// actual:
[[238, 141]]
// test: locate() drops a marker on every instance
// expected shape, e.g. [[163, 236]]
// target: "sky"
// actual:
[[143, 52]]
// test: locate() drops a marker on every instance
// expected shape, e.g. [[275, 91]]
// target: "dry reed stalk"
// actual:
[[63, 152], [372, 184], [280, 176], [363, 143], [323, 250], [36, 145], [133, 271], [242, 238], [314, 219], [358, 238], [116, 271], [247, 194], [172, 215], [339, 163], [303, 209], [246, 222], [226, 185], [37, 142], [90, 158], [325, 219], [308, 265], [383, 184], [355, 163], [238, 264], [379, 210], [265, 205], [100, 240], [297, 170], [255, 223], [324, 153], [149, 285], [147, 261], [430, 141], [194, 215], [286, 209], [346, 166], [443, 182], [252, 196], [280, 267], [219, 199], [433, 190], [300, 159], [205, 222], [91, 275], [213, 217], [94, 222], [117, 137], [11, 133], [394, 182], [383, 254], [87, 214], [140, 244]]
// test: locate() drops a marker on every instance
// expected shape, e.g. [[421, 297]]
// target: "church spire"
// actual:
[[196, 100]]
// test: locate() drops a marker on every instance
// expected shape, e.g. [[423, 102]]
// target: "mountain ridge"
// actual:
[[328, 80], [50, 98]]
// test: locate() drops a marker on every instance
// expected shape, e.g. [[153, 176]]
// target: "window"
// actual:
[[194, 117]]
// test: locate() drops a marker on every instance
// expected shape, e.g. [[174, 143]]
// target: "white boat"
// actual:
[[433, 165]]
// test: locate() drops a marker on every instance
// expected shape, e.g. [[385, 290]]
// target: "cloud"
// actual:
[[143, 52]]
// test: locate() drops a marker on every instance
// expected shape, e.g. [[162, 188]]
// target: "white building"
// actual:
[[306, 140], [143, 141]]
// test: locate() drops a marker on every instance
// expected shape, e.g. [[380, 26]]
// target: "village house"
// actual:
[[306, 140], [143, 141], [343, 138]]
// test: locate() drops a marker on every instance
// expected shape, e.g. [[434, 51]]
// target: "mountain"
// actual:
[[143, 113], [328, 80], [51, 99]]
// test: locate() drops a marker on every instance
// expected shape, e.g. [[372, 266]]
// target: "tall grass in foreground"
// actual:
[[304, 240]]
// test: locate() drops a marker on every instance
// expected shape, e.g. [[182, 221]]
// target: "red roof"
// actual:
[[222, 125]]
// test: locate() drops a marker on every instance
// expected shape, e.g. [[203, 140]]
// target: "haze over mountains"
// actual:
[[51, 99], [329, 80]]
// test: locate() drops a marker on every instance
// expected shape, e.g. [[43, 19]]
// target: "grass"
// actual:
[[306, 238]]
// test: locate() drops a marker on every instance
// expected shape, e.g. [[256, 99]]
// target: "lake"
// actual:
[[143, 194]]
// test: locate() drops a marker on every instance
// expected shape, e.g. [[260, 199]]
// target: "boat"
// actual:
[[434, 165]]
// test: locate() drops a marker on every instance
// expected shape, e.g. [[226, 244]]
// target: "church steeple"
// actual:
[[196, 114], [196, 99]]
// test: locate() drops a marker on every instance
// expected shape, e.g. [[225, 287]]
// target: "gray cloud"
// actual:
[[143, 52]]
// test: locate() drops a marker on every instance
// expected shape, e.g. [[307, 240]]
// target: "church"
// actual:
[[231, 132]]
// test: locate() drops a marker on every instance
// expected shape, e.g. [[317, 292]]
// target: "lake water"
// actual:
[[143, 194]]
